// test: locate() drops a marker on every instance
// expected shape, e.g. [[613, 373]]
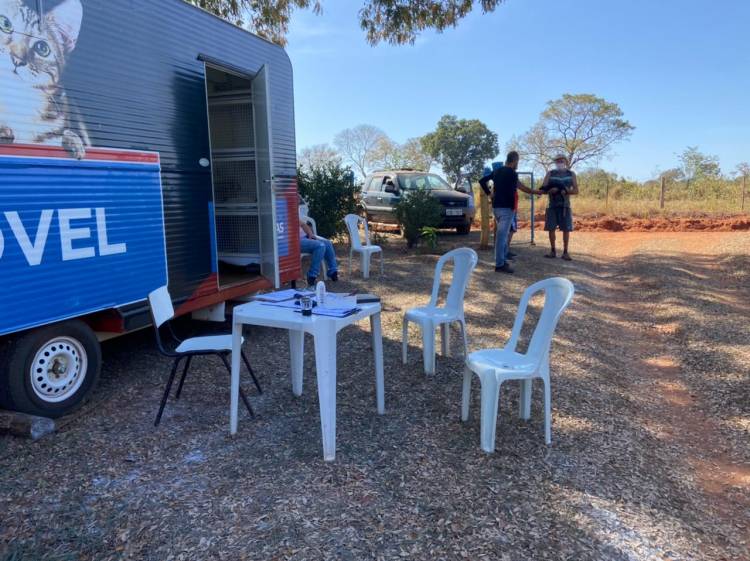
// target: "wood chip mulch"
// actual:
[[650, 449]]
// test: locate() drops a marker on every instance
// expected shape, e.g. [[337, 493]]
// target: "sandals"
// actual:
[[567, 257], [551, 255]]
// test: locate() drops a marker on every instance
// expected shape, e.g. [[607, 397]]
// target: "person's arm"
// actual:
[[574, 185], [484, 184], [528, 191], [306, 228]]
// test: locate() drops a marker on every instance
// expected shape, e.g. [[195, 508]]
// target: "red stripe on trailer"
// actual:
[[252, 286], [290, 266], [94, 154]]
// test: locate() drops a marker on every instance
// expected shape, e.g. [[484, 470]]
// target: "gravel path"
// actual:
[[650, 450]]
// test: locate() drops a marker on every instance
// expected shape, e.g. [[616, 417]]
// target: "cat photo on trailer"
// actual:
[[36, 44]]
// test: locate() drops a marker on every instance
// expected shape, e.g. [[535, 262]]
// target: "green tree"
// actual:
[[409, 155], [267, 18], [697, 165], [672, 175], [584, 127], [393, 21], [400, 21], [331, 194], [594, 182], [461, 146]]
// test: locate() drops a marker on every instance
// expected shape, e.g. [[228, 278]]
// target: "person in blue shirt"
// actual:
[[559, 184]]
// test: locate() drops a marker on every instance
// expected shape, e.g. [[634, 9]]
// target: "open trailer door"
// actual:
[[264, 161]]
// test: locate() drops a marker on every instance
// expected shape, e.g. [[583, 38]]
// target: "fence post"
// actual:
[[606, 190], [744, 182], [663, 191]]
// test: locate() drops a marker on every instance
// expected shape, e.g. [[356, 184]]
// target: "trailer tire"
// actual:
[[50, 371]]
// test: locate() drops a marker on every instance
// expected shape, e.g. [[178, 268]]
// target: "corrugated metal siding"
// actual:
[[136, 79], [76, 236]]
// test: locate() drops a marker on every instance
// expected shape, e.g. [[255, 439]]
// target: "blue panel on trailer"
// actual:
[[282, 227], [77, 236]]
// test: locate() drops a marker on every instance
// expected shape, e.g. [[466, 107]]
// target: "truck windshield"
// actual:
[[427, 181]]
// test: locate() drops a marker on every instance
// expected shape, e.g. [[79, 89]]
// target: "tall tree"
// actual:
[[267, 18], [359, 146], [400, 21], [461, 146], [584, 127], [318, 155], [391, 155], [743, 169], [697, 165], [672, 175], [393, 21], [535, 146]]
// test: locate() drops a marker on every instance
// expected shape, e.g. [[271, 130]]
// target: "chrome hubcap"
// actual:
[[59, 369]]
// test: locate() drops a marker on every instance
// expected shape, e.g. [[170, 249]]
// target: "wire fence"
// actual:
[[624, 198]]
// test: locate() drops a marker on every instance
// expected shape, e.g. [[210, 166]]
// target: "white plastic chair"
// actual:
[[431, 316], [352, 225], [495, 366], [220, 345]]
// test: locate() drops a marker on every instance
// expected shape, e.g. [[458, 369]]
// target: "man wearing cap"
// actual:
[[559, 184], [506, 183]]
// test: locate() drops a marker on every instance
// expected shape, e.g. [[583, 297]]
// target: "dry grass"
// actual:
[[650, 379], [646, 208]]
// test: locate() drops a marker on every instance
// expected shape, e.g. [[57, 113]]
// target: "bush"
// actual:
[[330, 192], [415, 211], [429, 235]]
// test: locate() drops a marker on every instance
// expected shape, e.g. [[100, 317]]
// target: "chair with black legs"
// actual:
[[220, 345]]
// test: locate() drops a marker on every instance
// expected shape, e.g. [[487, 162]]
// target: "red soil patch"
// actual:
[[693, 223]]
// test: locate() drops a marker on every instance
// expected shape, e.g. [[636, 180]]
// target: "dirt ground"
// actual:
[[649, 461]]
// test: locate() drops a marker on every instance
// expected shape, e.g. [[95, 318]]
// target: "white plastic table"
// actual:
[[324, 330]]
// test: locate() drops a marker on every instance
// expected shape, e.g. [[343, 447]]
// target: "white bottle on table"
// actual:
[[320, 293]]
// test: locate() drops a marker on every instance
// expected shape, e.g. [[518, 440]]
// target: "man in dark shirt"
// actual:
[[505, 180]]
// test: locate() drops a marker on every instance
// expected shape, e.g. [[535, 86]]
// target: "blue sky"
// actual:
[[679, 69]]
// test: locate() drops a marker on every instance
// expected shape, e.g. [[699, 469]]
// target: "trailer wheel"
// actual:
[[50, 371]]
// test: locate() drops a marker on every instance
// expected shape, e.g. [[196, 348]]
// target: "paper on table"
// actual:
[[292, 304], [333, 300], [278, 296], [334, 312]]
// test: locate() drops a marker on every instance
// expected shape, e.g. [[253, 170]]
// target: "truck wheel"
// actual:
[[51, 370], [463, 230]]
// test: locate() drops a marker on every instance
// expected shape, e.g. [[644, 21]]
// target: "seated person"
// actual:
[[319, 249]]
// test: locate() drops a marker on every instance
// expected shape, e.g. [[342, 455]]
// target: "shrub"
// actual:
[[429, 235], [417, 210], [330, 192]]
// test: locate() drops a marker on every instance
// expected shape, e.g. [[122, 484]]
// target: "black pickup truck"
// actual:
[[382, 190]]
